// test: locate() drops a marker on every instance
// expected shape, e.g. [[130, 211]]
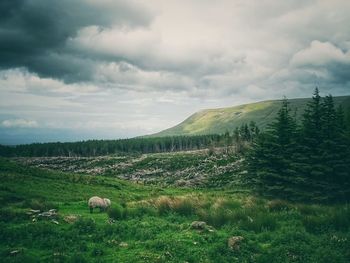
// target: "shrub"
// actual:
[[184, 206], [141, 211], [39, 204], [85, 225], [260, 222], [78, 258], [239, 215], [310, 209], [216, 217], [23, 256], [97, 251], [340, 219], [116, 212], [10, 215], [163, 205], [278, 205]]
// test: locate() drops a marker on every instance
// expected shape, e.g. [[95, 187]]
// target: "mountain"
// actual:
[[217, 121]]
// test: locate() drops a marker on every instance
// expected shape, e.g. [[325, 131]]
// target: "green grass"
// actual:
[[218, 121], [152, 224]]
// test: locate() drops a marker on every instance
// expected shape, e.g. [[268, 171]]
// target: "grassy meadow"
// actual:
[[218, 121], [153, 223]]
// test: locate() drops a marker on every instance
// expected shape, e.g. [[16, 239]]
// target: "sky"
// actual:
[[83, 69]]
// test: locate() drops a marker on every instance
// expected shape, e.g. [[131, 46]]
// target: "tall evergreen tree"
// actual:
[[312, 132], [271, 163]]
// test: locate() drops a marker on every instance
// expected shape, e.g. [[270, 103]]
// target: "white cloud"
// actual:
[[320, 54], [19, 123]]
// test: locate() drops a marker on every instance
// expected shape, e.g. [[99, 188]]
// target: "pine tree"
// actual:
[[270, 161], [312, 138]]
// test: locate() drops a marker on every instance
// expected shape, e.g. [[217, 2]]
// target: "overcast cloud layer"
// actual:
[[84, 69]]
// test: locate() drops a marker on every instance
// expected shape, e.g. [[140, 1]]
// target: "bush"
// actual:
[[310, 209], [10, 215], [141, 211], [116, 212], [78, 258], [85, 225], [97, 251], [260, 222], [278, 205], [163, 205], [227, 204], [39, 204], [340, 219], [184, 206]]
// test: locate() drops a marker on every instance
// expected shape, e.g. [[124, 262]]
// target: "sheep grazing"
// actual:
[[102, 203]]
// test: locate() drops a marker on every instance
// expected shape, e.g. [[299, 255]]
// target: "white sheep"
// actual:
[[102, 203]]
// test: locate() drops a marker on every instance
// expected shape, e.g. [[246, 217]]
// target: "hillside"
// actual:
[[218, 121], [153, 224]]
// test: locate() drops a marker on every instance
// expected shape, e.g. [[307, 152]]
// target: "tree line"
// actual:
[[132, 145], [309, 159]]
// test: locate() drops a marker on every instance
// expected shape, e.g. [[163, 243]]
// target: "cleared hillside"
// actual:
[[217, 121]]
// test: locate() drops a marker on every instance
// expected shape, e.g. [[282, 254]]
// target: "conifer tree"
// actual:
[[270, 161], [312, 138]]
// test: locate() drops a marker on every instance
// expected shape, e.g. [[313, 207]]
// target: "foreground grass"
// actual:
[[153, 224]]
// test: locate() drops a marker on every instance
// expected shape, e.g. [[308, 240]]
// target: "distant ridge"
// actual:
[[218, 121]]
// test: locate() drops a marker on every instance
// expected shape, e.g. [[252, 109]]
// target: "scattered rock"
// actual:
[[33, 212], [70, 219], [123, 244], [199, 225], [111, 221], [113, 242], [234, 242], [14, 252], [51, 214]]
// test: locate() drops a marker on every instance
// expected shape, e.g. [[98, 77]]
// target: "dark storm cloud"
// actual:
[[33, 33]]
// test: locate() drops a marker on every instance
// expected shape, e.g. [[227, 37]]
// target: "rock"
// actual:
[[14, 252], [234, 242], [51, 214], [198, 225], [123, 244], [33, 212], [55, 222], [70, 219], [110, 221], [113, 242]]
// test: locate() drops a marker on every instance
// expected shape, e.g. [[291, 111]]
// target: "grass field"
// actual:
[[218, 121], [153, 224]]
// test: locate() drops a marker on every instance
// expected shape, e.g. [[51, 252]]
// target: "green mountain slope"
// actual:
[[213, 121]]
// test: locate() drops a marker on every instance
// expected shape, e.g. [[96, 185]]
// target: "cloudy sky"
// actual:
[[85, 69]]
